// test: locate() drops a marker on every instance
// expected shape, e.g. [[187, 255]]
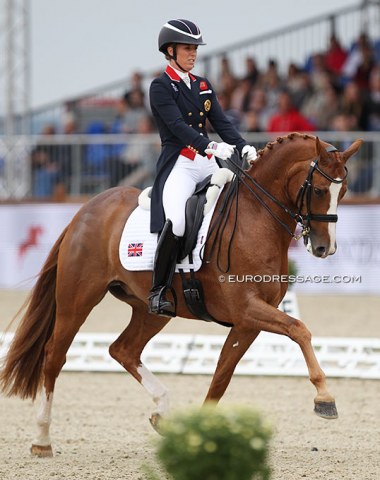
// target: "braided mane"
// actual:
[[290, 136]]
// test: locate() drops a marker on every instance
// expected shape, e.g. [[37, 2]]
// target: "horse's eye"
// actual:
[[318, 192]]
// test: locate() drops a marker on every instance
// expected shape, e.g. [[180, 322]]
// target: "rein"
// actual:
[[303, 220]]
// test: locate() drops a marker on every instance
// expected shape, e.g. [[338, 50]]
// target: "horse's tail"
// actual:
[[21, 373]]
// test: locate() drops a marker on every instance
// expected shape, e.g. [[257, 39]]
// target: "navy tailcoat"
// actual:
[[180, 114]]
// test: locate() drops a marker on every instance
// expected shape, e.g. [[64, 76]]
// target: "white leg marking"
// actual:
[[334, 195], [44, 420], [155, 389]]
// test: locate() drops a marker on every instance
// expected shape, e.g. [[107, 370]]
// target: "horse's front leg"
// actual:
[[235, 346], [270, 319]]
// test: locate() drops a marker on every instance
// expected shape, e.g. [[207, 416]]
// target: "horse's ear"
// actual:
[[321, 152], [352, 149]]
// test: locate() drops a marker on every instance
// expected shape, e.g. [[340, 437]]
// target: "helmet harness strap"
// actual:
[[174, 57]]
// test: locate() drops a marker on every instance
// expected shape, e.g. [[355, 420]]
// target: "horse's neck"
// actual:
[[254, 217]]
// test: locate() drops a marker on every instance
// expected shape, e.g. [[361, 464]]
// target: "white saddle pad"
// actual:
[[138, 245]]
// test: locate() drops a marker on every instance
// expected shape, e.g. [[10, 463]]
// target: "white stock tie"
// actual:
[[187, 81]]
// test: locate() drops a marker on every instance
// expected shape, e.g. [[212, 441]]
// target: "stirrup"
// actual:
[[160, 305]]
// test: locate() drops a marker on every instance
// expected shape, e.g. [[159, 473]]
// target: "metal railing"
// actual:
[[63, 167]]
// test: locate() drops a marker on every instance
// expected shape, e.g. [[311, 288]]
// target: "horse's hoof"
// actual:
[[155, 421], [326, 410], [41, 451]]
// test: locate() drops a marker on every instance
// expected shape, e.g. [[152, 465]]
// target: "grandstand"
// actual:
[[95, 151]]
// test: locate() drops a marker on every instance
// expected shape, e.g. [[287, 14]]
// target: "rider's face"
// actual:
[[186, 56]]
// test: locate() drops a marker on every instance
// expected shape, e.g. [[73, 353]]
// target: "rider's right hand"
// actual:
[[221, 150]]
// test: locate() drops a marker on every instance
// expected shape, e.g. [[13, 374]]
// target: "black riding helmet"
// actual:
[[178, 31]]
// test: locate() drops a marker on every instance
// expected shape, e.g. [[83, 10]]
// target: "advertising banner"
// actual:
[[28, 231]]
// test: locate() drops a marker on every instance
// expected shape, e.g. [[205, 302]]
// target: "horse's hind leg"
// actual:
[[73, 307], [127, 350]]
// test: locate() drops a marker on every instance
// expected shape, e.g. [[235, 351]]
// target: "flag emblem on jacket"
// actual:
[[135, 249]]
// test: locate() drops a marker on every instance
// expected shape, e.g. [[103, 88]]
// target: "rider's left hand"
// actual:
[[250, 151]]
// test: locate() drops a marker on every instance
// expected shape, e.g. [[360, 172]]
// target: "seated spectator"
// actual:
[[135, 110], [259, 106], [116, 150], [318, 70], [355, 57], [288, 118], [233, 115], [352, 104], [272, 84], [298, 84], [96, 154], [226, 82], [241, 96], [140, 158], [335, 56], [252, 72], [46, 172], [372, 102], [365, 67], [360, 176], [250, 122], [322, 104]]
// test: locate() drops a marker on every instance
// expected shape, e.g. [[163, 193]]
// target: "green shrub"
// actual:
[[215, 444]]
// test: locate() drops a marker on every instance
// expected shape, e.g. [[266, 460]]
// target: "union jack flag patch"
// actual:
[[135, 249]]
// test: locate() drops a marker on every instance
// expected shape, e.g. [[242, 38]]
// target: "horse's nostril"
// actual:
[[320, 251]]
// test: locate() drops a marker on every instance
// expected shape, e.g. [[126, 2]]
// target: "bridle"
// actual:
[[303, 197], [305, 193], [242, 177]]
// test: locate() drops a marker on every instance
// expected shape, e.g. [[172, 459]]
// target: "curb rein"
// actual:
[[303, 220]]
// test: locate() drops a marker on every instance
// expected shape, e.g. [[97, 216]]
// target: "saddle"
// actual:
[[196, 207], [194, 213]]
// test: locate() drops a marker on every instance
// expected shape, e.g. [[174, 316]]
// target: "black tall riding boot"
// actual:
[[164, 267]]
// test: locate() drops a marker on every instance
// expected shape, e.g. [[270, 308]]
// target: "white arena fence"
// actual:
[[198, 354]]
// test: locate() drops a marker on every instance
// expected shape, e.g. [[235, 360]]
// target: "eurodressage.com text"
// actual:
[[290, 278]]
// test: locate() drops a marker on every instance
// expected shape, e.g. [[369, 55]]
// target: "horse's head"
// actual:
[[323, 181]]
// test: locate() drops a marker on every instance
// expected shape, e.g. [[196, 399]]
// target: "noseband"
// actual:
[[303, 197]]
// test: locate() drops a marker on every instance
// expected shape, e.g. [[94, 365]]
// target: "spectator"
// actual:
[[355, 57], [335, 56], [288, 118], [227, 81], [361, 169], [233, 115], [241, 96], [259, 106], [135, 110], [365, 67], [272, 83], [318, 71], [322, 104], [140, 158], [372, 102], [250, 122], [46, 173], [252, 72], [352, 104], [298, 84]]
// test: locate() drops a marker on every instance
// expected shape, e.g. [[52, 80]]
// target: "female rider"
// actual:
[[181, 103]]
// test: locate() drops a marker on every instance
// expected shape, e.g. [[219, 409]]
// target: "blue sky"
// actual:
[[81, 44]]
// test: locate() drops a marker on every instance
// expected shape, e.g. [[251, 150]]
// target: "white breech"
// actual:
[[180, 185]]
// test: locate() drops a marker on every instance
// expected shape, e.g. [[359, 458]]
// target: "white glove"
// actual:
[[221, 150], [250, 151]]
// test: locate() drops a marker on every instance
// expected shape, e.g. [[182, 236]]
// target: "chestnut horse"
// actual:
[[295, 179]]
